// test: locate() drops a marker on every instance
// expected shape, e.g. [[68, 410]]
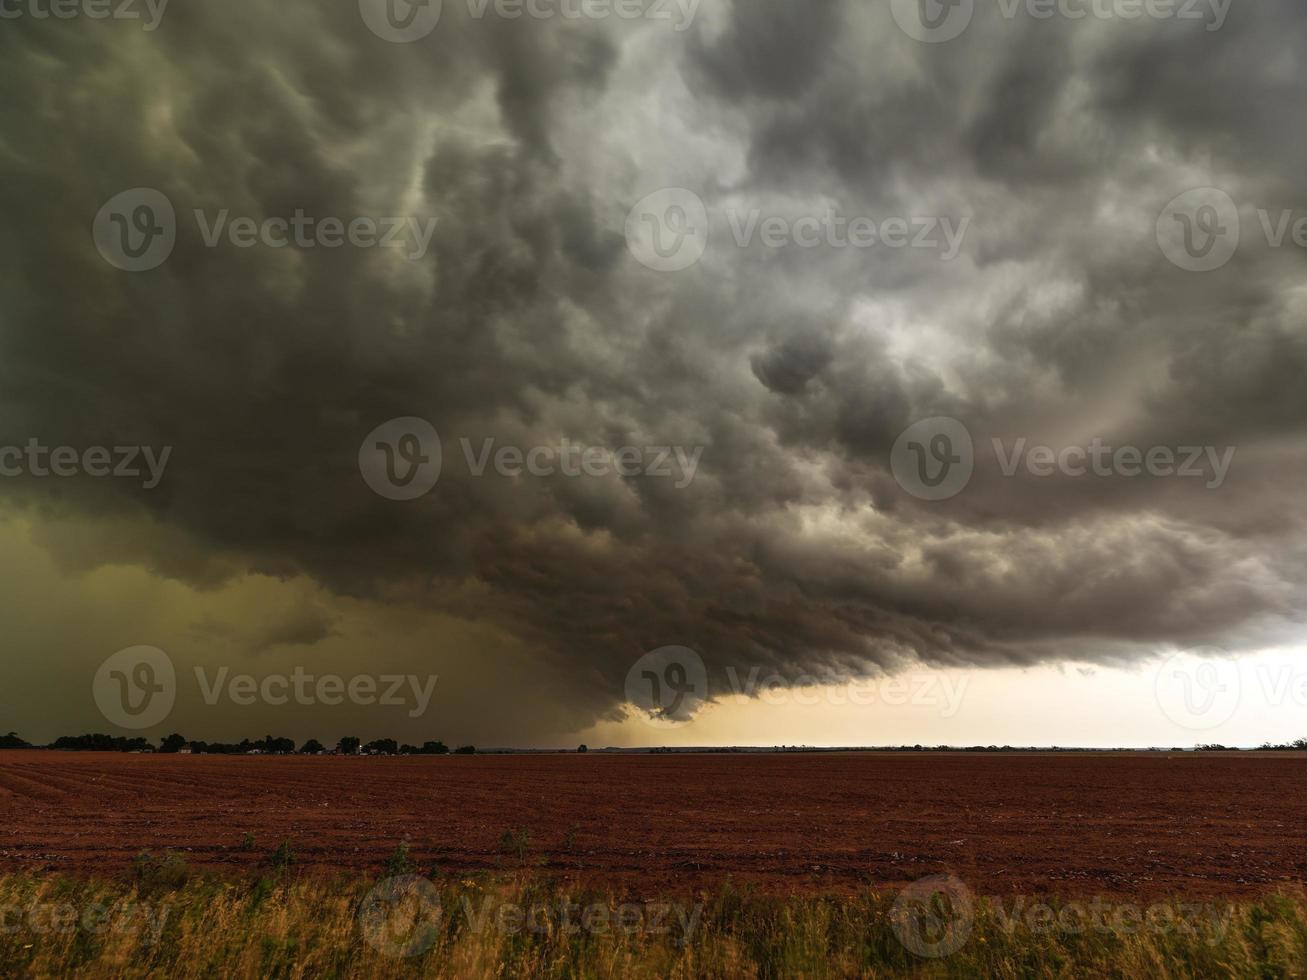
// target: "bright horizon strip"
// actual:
[[1065, 706]]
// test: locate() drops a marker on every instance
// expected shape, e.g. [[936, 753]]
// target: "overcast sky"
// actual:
[[812, 282]]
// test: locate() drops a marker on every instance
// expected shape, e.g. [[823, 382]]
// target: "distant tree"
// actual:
[[349, 745], [466, 750], [12, 741], [172, 743], [435, 748], [101, 743], [312, 747], [382, 746], [218, 748], [582, 748]]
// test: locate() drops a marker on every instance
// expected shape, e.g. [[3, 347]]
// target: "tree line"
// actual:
[[268, 745]]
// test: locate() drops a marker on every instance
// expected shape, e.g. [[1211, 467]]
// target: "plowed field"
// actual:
[[1137, 825]]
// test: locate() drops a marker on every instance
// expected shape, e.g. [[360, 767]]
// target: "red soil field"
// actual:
[[1137, 825]]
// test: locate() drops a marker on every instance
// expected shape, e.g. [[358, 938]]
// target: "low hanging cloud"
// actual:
[[1050, 146]]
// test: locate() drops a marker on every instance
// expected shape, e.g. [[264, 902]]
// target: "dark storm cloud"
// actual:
[[770, 48], [528, 322]]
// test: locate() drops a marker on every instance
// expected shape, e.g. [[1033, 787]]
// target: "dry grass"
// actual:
[[168, 921]]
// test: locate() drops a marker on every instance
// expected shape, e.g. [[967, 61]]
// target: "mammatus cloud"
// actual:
[[526, 320]]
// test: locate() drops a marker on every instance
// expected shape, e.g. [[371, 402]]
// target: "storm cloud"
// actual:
[[529, 320]]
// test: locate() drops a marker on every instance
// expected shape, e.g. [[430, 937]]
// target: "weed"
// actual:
[[516, 842]]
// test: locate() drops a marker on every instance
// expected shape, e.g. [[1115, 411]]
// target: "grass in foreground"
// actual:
[[169, 921]]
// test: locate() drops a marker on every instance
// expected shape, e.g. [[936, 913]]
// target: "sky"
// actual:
[[529, 374]]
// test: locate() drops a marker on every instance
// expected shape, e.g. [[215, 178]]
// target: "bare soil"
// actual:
[[1139, 825]]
